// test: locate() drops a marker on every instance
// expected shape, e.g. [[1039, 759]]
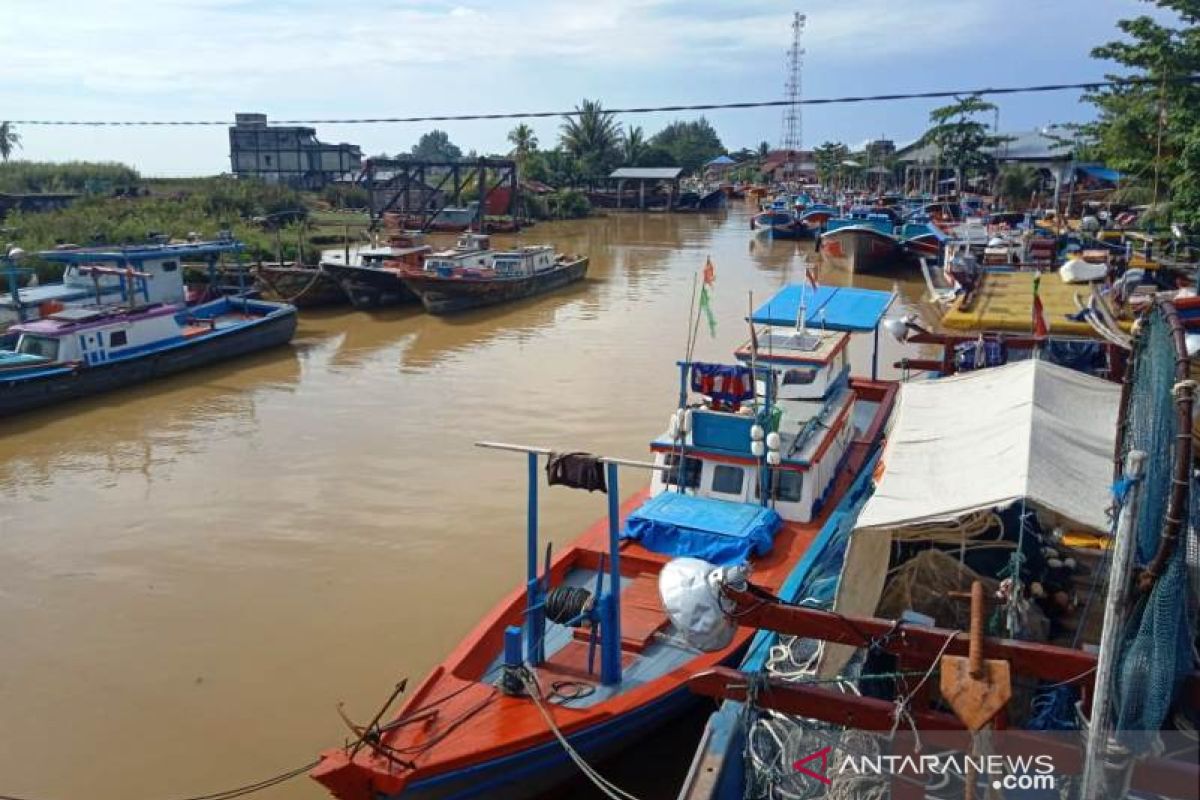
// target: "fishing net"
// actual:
[[928, 583], [1156, 649]]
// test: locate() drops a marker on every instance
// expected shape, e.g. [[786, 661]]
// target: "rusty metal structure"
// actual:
[[420, 190]]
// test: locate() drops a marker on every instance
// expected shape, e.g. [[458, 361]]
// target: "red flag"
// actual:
[[1040, 329]]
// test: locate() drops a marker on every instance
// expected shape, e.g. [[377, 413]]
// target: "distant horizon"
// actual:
[[301, 59]]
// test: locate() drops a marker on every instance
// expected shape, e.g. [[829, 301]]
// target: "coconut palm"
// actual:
[[523, 140], [593, 136], [633, 145], [9, 140]]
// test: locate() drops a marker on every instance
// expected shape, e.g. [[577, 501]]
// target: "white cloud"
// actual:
[[214, 46]]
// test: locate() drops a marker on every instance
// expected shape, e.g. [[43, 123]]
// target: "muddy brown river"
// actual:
[[193, 573]]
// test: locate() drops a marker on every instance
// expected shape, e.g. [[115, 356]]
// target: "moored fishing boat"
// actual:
[[85, 350], [920, 238], [757, 457], [814, 217], [458, 280], [1029, 517], [299, 284], [371, 276], [778, 221], [864, 241], [163, 262]]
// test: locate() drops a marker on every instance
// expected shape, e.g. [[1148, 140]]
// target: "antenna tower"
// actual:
[[792, 123]]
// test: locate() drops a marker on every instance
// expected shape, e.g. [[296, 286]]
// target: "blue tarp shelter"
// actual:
[[838, 308]]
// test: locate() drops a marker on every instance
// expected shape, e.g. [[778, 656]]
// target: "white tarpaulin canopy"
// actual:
[[978, 441], [986, 439]]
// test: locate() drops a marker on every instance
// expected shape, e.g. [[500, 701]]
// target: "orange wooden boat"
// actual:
[[519, 705]]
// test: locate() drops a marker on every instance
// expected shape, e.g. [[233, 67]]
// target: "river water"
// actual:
[[194, 573]]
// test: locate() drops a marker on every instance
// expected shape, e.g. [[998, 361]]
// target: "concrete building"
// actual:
[[287, 154]]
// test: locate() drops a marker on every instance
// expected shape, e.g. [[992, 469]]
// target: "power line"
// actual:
[[814, 101]]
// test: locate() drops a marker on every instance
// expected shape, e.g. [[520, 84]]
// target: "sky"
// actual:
[[338, 59]]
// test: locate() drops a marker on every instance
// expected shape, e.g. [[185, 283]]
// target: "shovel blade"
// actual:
[[975, 701]]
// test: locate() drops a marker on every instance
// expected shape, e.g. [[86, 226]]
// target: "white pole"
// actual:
[[1115, 608]]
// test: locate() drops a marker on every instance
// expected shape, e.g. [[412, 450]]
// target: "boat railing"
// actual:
[[607, 613]]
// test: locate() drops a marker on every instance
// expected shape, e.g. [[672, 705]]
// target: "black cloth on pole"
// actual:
[[576, 470]]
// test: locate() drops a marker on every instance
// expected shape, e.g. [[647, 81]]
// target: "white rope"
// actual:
[[603, 784], [900, 712]]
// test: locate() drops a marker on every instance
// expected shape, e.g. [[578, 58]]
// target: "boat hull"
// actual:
[[778, 225], [18, 394], [532, 773], [861, 249], [447, 295], [370, 287], [303, 287]]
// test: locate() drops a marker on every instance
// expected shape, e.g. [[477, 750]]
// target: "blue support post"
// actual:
[[512, 646], [510, 677], [535, 611], [610, 603]]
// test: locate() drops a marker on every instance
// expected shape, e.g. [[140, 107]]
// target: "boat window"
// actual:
[[727, 479], [786, 485], [691, 471], [170, 266], [799, 377], [43, 346], [118, 339]]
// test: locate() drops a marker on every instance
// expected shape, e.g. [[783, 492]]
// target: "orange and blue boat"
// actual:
[[585, 658]]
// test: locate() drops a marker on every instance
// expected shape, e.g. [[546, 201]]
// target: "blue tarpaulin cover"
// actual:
[[1099, 172], [717, 531], [838, 308]]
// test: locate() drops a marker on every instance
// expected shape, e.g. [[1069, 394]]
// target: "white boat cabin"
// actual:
[[80, 286], [93, 336], [801, 382], [520, 262]]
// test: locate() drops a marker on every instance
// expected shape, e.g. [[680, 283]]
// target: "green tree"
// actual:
[[593, 136], [633, 146], [828, 159], [9, 140], [962, 141], [692, 144], [1016, 183], [764, 149], [525, 143], [436, 146], [1150, 129]]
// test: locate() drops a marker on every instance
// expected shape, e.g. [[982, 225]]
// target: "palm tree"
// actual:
[[633, 145], [524, 142], [764, 150], [591, 135], [523, 139], [9, 139]]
